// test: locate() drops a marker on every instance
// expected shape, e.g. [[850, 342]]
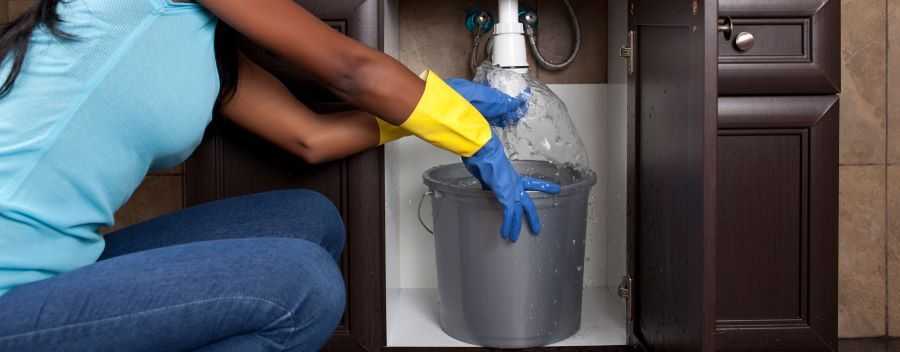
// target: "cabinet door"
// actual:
[[777, 224], [233, 162], [672, 173]]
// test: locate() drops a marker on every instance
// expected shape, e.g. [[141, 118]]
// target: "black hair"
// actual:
[[15, 36]]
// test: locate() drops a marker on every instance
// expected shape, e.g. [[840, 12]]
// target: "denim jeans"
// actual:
[[253, 273]]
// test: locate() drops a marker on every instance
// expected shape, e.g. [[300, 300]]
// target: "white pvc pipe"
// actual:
[[509, 38], [509, 10]]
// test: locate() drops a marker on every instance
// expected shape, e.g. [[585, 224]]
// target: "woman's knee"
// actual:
[[314, 216], [319, 291], [304, 279]]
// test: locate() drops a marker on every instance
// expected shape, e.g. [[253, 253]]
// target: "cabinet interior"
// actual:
[[599, 112]]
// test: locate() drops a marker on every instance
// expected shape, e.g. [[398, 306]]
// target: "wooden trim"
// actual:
[[774, 112], [821, 75], [771, 8], [823, 227]]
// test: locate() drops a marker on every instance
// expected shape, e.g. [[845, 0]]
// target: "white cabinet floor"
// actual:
[[412, 320]]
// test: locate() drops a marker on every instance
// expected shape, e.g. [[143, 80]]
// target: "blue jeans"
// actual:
[[253, 273]]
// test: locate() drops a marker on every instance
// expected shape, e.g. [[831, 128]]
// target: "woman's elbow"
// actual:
[[312, 156], [356, 75]]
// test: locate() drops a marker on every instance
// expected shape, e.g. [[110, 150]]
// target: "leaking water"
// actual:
[[546, 132]]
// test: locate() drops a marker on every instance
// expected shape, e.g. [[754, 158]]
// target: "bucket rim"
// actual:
[[435, 184]]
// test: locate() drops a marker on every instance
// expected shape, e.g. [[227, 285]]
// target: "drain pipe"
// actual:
[[510, 50]]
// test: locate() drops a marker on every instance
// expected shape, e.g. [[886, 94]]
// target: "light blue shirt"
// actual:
[[87, 119]]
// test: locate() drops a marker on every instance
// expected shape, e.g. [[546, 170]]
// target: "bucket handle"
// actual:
[[421, 201]]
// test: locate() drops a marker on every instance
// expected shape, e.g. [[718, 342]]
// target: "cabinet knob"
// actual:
[[744, 41]]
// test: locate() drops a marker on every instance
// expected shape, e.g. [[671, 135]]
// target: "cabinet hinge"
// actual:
[[627, 52], [626, 293]]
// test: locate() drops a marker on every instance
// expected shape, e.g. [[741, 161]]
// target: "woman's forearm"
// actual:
[[264, 106], [338, 135], [363, 76], [383, 86]]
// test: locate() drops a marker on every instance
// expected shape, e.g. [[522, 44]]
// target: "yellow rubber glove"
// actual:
[[389, 133], [447, 120]]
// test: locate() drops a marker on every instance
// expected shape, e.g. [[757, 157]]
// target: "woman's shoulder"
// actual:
[[117, 11]]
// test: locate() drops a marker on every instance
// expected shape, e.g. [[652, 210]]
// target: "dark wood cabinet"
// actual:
[[776, 244], [672, 101], [796, 47], [233, 162], [777, 224]]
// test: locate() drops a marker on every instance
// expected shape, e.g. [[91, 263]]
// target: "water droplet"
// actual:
[[579, 268]]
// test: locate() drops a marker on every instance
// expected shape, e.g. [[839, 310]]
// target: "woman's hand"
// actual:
[[496, 173], [499, 109]]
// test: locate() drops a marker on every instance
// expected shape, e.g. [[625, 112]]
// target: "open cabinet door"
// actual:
[[672, 166], [232, 162]]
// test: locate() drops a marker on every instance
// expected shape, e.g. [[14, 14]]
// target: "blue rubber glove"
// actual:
[[499, 109], [490, 166]]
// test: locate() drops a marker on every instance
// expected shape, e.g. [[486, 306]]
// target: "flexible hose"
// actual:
[[539, 57], [473, 57], [532, 41]]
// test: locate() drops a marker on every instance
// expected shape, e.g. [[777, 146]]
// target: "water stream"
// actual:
[[546, 132]]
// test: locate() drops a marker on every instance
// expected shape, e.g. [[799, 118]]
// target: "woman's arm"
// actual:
[[362, 76], [263, 105]]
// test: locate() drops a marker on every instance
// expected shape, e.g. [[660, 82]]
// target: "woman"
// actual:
[[98, 92]]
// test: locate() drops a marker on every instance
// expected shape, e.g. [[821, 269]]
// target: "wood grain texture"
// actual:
[[674, 94], [762, 212], [232, 162], [157, 196], [17, 7], [777, 227], [795, 55], [4, 11]]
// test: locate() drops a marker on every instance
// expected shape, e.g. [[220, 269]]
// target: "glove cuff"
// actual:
[[388, 133], [447, 120]]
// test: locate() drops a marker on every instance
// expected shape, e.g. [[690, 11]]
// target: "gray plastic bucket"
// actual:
[[509, 295]]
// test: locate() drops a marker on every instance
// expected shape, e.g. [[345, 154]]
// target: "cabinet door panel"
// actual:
[[672, 152], [761, 184], [777, 211], [232, 162]]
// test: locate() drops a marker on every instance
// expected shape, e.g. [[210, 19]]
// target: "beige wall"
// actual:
[[869, 294]]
